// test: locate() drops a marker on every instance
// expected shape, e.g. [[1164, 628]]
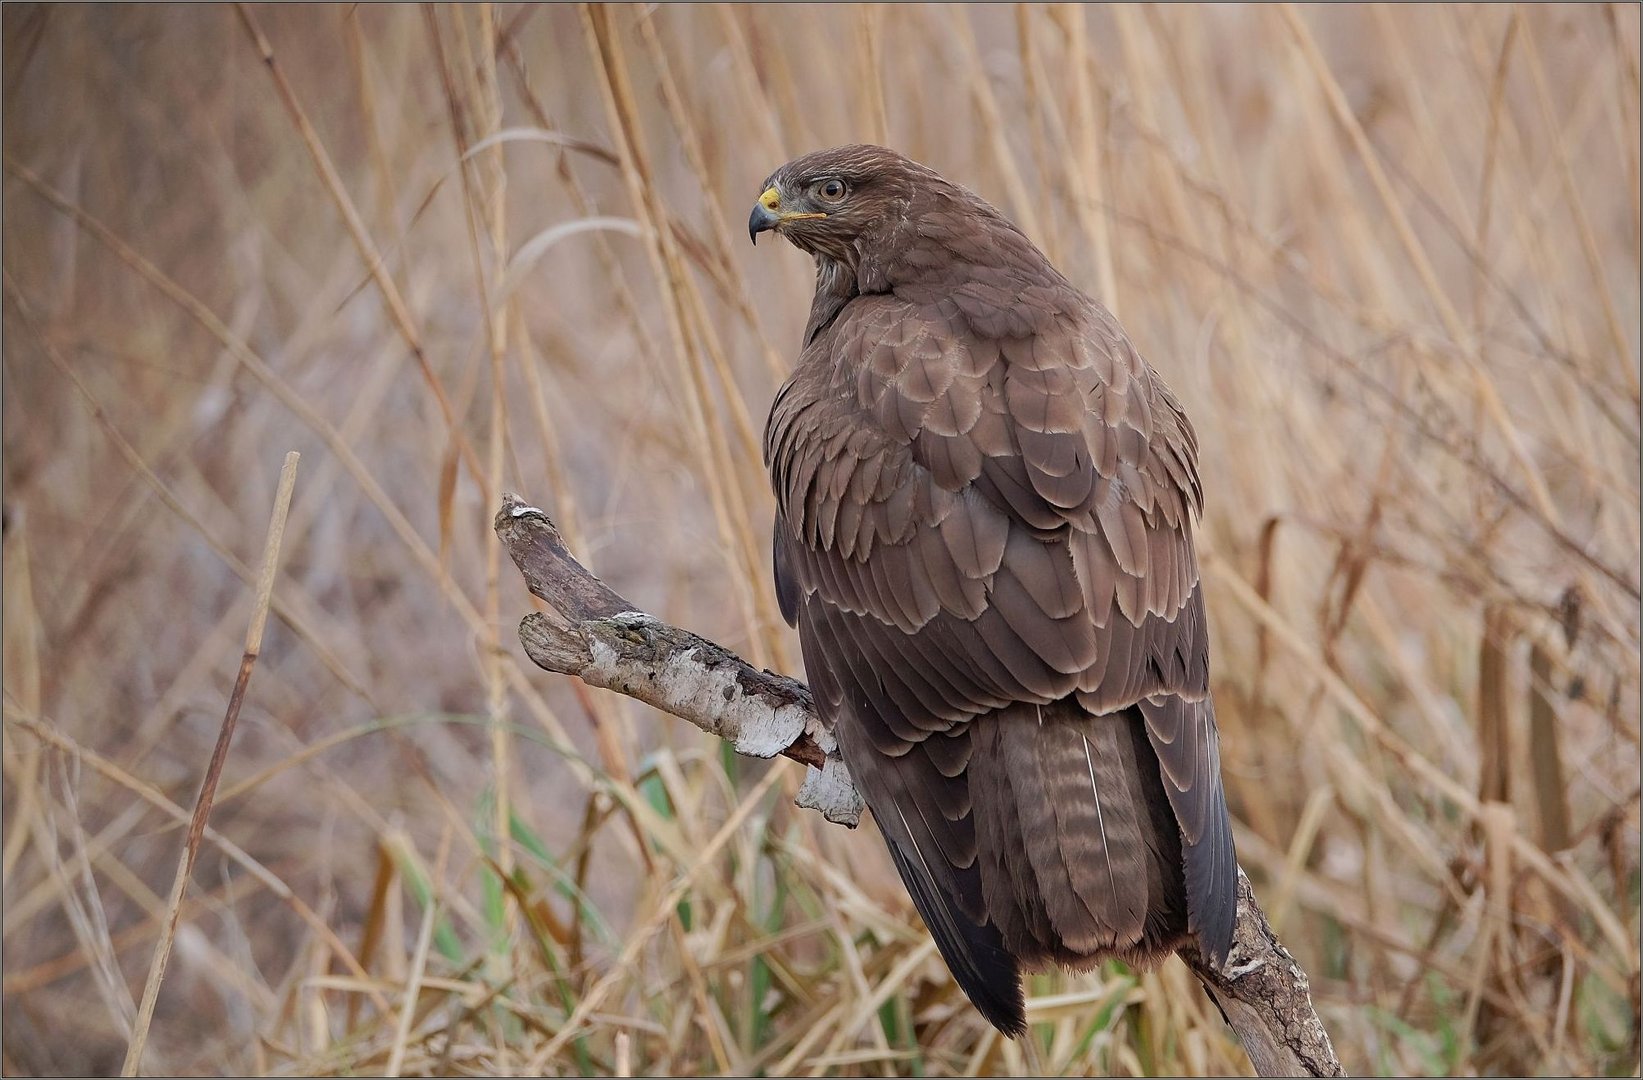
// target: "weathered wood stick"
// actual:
[[607, 642], [602, 639]]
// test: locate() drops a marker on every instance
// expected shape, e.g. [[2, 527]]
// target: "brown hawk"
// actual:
[[985, 502]]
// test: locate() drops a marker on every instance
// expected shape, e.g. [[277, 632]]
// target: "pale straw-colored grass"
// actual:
[[1388, 257]]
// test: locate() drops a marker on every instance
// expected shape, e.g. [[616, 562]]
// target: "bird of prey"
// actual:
[[984, 509]]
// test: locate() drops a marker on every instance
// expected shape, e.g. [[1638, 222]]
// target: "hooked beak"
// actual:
[[763, 217], [768, 213]]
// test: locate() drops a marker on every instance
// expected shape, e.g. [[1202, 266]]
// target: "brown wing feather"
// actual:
[[985, 513], [921, 804]]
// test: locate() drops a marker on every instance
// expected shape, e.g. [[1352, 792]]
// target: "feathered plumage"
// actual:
[[985, 504]]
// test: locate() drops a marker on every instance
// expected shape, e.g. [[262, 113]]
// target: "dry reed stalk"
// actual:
[[50, 737], [218, 966], [895, 980], [1032, 72], [387, 200], [1400, 51], [872, 124], [1494, 725], [1564, 880], [778, 148], [626, 305], [419, 965], [1535, 224], [1021, 206], [1577, 208], [397, 307], [1087, 171], [1627, 108], [1138, 51], [717, 466], [1486, 185], [20, 644], [213, 772], [300, 624], [83, 905], [663, 909], [253, 363], [62, 966], [1544, 749], [717, 1039], [731, 282], [384, 884], [1535, 244], [644, 830], [292, 401], [21, 911], [1465, 453], [484, 199]]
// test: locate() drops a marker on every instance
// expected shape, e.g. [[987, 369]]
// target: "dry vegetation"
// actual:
[[1388, 257]]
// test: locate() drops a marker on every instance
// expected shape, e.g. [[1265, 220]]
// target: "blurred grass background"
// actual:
[[1388, 258]]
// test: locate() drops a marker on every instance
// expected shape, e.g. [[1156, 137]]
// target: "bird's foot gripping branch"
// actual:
[[602, 639]]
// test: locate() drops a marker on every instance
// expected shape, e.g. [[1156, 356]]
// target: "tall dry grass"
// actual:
[[1388, 257]]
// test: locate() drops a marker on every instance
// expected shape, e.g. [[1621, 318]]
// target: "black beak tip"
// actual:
[[761, 220]]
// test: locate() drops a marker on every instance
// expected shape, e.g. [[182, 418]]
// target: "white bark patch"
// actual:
[[685, 686], [830, 790]]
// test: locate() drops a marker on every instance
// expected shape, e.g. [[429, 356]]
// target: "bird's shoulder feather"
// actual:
[[968, 520]]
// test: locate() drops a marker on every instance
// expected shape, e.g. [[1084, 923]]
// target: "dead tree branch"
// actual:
[[602, 639]]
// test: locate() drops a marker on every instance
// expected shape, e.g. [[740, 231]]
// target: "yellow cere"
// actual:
[[771, 199]]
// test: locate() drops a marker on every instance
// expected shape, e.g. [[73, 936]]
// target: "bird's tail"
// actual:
[[1078, 847]]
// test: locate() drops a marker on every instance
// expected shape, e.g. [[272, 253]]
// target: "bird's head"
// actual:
[[877, 221], [828, 202]]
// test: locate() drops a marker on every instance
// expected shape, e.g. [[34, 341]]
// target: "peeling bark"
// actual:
[[600, 638], [1264, 995]]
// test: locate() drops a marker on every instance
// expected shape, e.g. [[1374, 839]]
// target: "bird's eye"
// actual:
[[831, 190]]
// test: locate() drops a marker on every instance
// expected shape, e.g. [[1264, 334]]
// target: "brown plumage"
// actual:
[[985, 503]]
